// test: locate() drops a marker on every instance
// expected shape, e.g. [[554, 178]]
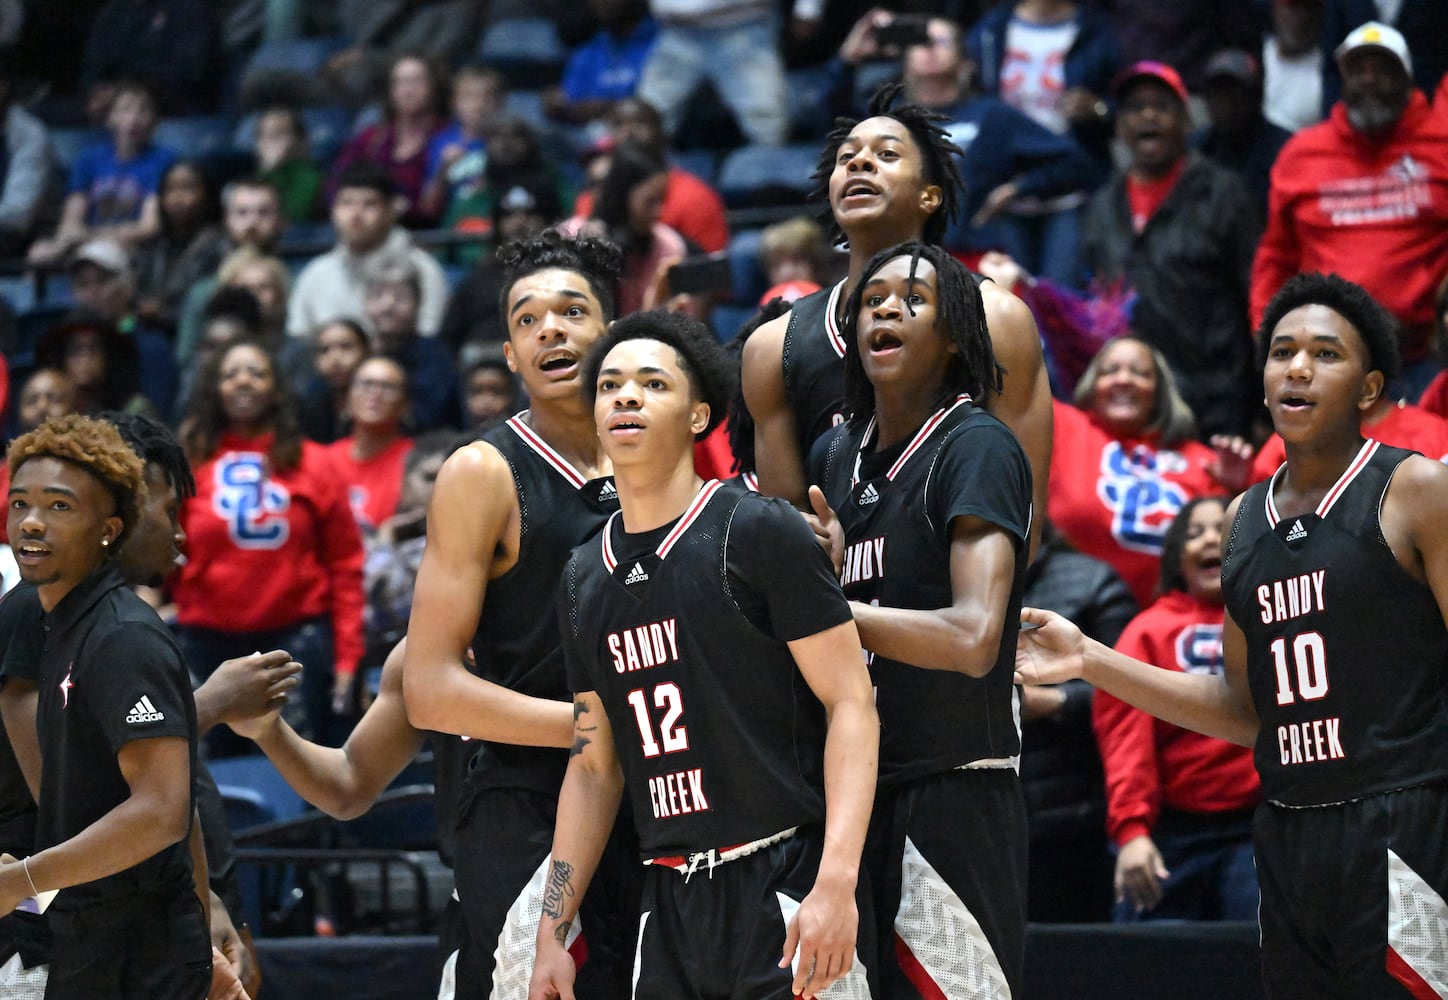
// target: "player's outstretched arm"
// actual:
[[821, 939], [473, 505], [1214, 705], [155, 815], [776, 438], [965, 636], [587, 806], [344, 781], [1025, 404], [248, 687]]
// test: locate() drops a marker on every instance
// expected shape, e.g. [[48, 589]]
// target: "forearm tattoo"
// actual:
[[560, 884], [580, 741]]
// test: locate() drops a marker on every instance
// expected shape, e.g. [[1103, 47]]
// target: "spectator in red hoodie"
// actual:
[[369, 461], [1365, 195], [274, 556], [1178, 804]]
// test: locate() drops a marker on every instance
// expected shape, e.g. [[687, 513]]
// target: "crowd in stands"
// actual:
[[272, 224]]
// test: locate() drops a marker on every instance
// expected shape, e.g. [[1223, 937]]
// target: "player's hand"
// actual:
[[1232, 463], [1139, 871], [823, 934], [826, 526], [250, 686], [226, 939], [553, 973], [225, 983], [1051, 652]]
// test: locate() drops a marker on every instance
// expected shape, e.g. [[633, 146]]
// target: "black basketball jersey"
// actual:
[[814, 365], [517, 643], [1347, 655], [896, 508], [683, 634]]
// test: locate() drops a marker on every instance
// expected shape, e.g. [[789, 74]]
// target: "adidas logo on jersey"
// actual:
[[144, 711], [1298, 533], [635, 575], [869, 495], [607, 491]]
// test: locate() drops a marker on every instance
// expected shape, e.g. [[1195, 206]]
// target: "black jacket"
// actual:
[[1190, 268]]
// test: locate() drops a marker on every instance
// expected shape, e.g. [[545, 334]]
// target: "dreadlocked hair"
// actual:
[[959, 318], [96, 447], [938, 163], [156, 445], [595, 260]]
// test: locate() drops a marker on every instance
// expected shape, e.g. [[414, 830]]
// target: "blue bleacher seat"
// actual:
[[245, 807], [527, 50], [810, 115], [70, 141], [727, 320], [195, 138], [767, 175], [702, 163], [306, 56], [259, 775], [745, 267]]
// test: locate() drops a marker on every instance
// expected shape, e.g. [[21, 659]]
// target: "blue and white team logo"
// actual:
[[1143, 503], [253, 506], [1199, 649]]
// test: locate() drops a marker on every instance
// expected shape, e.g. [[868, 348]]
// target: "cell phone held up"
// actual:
[[903, 32], [700, 275]]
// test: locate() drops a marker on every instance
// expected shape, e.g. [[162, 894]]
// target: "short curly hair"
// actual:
[[98, 448], [595, 260], [710, 373], [1374, 324]]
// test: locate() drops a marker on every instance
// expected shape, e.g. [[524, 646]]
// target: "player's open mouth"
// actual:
[[625, 425], [1294, 403], [558, 362], [885, 341], [859, 188]]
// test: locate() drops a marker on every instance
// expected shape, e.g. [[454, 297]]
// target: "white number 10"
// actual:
[[1310, 658]]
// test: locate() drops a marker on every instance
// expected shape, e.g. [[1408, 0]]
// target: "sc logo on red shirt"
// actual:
[[253, 506]]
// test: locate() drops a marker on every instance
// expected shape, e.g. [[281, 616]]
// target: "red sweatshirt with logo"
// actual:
[[1149, 763], [266, 549], [1373, 211]]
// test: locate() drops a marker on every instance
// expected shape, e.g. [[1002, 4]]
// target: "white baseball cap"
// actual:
[[1375, 34]]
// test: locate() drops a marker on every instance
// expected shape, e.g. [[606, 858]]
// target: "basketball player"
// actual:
[[933, 496], [505, 512], [117, 730], [889, 178], [1336, 583], [715, 667]]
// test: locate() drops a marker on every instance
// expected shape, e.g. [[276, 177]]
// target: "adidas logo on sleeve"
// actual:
[[144, 711]]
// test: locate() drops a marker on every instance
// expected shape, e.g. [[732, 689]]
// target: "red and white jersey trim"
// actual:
[[832, 319], [545, 451], [690, 515], [1365, 453], [921, 436]]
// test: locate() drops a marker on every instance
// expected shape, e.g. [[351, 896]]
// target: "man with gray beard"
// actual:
[[1365, 195]]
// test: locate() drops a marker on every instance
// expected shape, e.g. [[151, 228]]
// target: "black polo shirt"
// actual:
[[110, 673]]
